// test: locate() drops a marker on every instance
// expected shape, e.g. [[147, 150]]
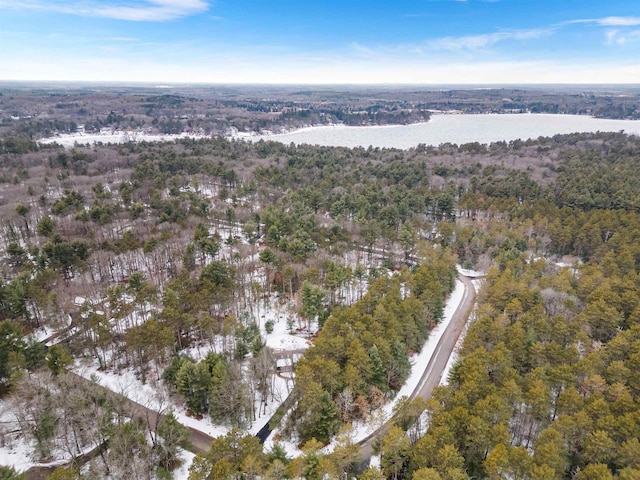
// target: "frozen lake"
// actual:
[[463, 128], [460, 128]]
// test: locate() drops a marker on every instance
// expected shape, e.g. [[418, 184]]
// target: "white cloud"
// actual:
[[253, 66], [153, 10], [618, 21], [618, 33], [476, 42], [607, 21], [611, 36], [616, 37], [131, 10]]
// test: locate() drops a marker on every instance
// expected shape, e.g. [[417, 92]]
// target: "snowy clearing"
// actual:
[[69, 140]]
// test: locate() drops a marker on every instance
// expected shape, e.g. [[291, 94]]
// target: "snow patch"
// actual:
[[361, 430]]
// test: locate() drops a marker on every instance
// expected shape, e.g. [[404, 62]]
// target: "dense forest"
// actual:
[[163, 259]]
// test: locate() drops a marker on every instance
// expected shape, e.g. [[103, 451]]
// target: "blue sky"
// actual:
[[310, 41]]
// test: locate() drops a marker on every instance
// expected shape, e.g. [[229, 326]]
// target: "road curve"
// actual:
[[435, 367], [200, 441]]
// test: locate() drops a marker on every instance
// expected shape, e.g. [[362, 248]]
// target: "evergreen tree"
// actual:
[[172, 435], [194, 383], [378, 372]]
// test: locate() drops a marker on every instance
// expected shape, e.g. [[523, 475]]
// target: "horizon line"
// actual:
[[164, 84]]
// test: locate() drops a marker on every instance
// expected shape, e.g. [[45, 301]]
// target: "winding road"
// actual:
[[434, 369], [433, 372], [200, 441]]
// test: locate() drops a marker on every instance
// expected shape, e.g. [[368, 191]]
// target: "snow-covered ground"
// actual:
[[283, 338], [16, 451], [470, 273], [43, 333], [182, 472], [153, 395], [68, 140], [419, 362], [289, 333]]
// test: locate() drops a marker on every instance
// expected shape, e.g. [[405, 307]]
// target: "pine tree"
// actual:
[[378, 372], [172, 435], [194, 382]]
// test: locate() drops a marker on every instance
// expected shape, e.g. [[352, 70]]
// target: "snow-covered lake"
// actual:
[[461, 128], [441, 128]]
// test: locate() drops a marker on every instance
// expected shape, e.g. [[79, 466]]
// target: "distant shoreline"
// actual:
[[459, 129], [68, 140]]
